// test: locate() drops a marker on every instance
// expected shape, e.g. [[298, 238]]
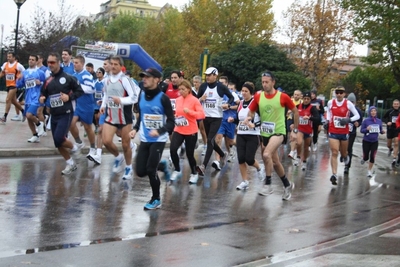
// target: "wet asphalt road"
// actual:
[[93, 218]]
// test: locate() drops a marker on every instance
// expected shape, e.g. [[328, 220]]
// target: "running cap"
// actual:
[[151, 72], [211, 70], [307, 94]]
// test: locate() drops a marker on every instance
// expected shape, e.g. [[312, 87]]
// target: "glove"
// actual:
[[344, 121]]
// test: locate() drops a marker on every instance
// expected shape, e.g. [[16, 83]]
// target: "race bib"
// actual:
[[10, 76], [55, 101], [173, 104], [210, 103], [303, 121], [268, 127], [336, 122], [98, 95], [351, 126], [394, 119], [30, 83], [181, 121], [243, 127], [111, 103], [374, 128], [153, 121]]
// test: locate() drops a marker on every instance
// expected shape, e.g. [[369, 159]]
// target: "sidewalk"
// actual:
[[14, 136]]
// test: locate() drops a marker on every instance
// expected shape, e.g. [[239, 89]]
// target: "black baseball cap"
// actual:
[[151, 72]]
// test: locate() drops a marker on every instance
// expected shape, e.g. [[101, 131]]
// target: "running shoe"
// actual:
[[40, 129], [346, 170], [296, 162], [77, 148], [292, 154], [394, 162], [153, 204], [193, 178], [128, 173], [304, 166], [118, 164], [69, 169], [92, 152], [216, 165], [243, 185], [315, 147], [34, 139], [266, 190], [3, 120], [96, 158], [232, 156], [346, 160], [164, 167], [287, 192], [334, 179], [224, 159], [204, 150], [16, 118], [261, 173], [362, 161], [175, 175], [369, 173]]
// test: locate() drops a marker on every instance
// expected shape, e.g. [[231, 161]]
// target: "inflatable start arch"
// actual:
[[96, 53]]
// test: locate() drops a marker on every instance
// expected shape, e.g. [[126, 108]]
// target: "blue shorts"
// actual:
[[60, 127], [102, 119], [306, 135], [227, 129], [341, 137], [31, 109], [85, 116]]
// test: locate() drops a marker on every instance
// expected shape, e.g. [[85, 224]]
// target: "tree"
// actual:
[[318, 36], [124, 28], [245, 62], [377, 23]]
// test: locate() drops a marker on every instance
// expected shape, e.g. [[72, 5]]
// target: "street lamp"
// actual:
[[19, 3]]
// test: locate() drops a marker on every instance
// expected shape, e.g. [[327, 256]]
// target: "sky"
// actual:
[[8, 11]]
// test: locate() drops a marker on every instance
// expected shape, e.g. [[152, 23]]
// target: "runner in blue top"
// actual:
[[67, 64], [32, 79]]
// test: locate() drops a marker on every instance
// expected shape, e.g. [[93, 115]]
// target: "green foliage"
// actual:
[[245, 62], [125, 28]]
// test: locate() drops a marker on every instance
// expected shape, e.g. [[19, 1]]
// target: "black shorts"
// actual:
[[10, 88], [391, 133], [265, 140]]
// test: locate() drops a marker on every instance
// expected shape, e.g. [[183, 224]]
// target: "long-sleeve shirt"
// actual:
[[186, 123], [372, 134]]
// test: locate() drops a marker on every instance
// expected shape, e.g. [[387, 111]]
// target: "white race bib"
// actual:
[[374, 128], [98, 95], [30, 83], [55, 101], [10, 76], [111, 103], [243, 127], [181, 121], [268, 127], [210, 103], [303, 121], [153, 121], [336, 122]]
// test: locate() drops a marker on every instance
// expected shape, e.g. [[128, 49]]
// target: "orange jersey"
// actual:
[[11, 73]]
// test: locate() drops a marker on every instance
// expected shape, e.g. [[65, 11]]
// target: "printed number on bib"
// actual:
[[210, 103], [303, 121], [336, 122], [153, 121], [374, 128], [181, 121], [55, 101], [98, 95], [394, 119], [111, 103], [268, 127], [243, 127], [10, 76], [30, 83], [173, 101]]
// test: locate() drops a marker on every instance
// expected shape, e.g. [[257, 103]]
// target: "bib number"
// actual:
[[303, 121], [10, 76], [30, 83], [336, 122], [55, 101], [210, 103], [153, 122], [374, 128], [243, 127], [268, 127], [173, 104], [98, 95], [112, 104], [181, 121]]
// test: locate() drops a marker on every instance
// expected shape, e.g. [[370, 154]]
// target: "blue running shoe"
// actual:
[[164, 167], [118, 164], [153, 204]]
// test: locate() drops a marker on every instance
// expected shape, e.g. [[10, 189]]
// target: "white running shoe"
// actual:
[[92, 152], [118, 164], [34, 139], [96, 158], [77, 148], [292, 154], [315, 147], [128, 173], [193, 178], [266, 190], [243, 185], [69, 169], [232, 156], [261, 173], [304, 166], [40, 129], [215, 164], [287, 192], [16, 118], [296, 162], [369, 173], [175, 175]]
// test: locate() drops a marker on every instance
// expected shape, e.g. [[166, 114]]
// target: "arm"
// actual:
[[138, 120], [202, 90], [364, 127], [226, 92], [76, 89], [385, 117], [132, 90], [170, 124], [197, 111], [88, 84], [315, 117], [353, 110]]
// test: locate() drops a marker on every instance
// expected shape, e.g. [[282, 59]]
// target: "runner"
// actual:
[[390, 118], [67, 64], [195, 90], [371, 127], [296, 98], [120, 93], [62, 89], [317, 127], [155, 121], [337, 121], [271, 104]]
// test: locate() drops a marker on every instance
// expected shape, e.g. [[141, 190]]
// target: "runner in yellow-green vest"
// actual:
[[271, 104]]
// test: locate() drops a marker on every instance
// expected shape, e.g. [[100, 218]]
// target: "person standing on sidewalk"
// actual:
[[211, 95], [62, 90], [337, 121], [371, 127], [390, 118], [33, 79], [155, 121], [271, 104], [353, 131], [11, 69]]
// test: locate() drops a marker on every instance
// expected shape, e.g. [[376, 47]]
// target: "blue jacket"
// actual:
[[372, 134]]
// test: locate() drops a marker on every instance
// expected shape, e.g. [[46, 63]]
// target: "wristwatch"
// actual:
[[295, 130]]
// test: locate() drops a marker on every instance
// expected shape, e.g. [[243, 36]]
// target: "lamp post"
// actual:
[[19, 3]]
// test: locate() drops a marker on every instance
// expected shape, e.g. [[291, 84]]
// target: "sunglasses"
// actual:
[[266, 74], [51, 62], [339, 92]]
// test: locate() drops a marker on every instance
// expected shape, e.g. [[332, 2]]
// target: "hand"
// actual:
[[64, 97], [203, 97], [344, 121], [154, 133], [293, 137], [389, 123], [42, 99], [99, 102], [356, 124], [306, 117], [225, 106], [116, 100], [291, 127], [326, 126], [132, 134], [38, 82], [383, 132], [186, 110], [230, 119], [368, 128]]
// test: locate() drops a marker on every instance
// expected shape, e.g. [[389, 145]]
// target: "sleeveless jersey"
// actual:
[[272, 115], [98, 94], [11, 74], [212, 104], [117, 113], [305, 126], [152, 117], [338, 113], [242, 115]]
